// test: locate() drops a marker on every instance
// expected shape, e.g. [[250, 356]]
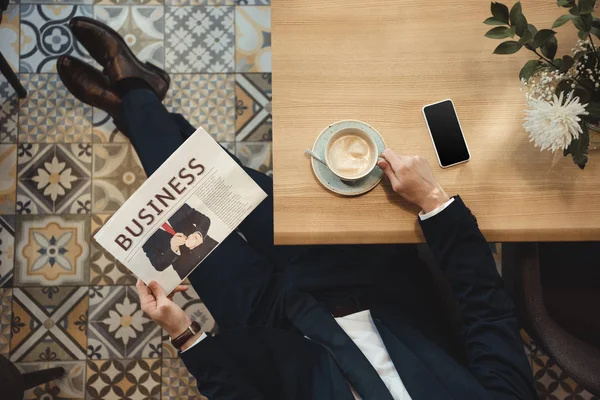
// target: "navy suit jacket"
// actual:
[[278, 362]]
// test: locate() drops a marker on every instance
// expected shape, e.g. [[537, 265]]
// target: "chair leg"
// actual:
[[13, 79], [35, 378]]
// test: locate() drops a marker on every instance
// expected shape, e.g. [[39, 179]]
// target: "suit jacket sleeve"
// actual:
[[490, 331], [159, 258], [217, 375], [201, 221]]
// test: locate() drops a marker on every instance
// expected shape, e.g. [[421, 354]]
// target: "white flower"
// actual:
[[55, 178], [552, 124], [126, 321]]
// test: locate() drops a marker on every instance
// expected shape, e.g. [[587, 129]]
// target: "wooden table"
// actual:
[[380, 61]]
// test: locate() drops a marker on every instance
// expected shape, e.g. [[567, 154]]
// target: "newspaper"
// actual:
[[181, 213]]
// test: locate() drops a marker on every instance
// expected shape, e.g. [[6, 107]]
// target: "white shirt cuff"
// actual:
[[435, 212], [196, 342]]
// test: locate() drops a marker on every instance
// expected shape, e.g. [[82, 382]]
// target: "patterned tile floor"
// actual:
[[65, 168]]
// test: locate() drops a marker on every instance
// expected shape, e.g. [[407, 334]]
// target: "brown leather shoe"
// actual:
[[109, 49], [88, 85]]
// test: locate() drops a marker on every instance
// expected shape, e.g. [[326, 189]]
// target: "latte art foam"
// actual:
[[350, 156]]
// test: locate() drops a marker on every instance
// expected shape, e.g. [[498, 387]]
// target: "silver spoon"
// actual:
[[319, 159], [316, 157]]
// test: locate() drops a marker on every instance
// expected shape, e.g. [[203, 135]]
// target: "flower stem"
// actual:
[[547, 60]]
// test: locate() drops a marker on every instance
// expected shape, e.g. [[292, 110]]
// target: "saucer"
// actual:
[[328, 178]]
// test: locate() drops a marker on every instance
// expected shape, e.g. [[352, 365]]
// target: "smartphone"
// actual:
[[446, 133]]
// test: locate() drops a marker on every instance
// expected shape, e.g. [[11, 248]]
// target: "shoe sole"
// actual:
[[147, 68]]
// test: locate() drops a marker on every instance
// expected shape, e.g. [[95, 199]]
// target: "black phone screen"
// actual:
[[446, 133]]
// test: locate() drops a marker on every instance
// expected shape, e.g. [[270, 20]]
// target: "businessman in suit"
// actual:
[[182, 241], [322, 322]]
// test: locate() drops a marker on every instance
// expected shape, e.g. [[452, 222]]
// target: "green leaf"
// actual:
[[508, 47], [559, 63], [517, 19], [549, 49], [574, 11], [567, 63], [579, 147], [586, 6], [543, 36], [532, 29], [563, 19], [587, 21], [583, 93], [579, 24], [595, 31], [582, 35], [529, 69], [564, 87], [493, 21], [593, 109], [511, 32], [564, 3], [596, 22], [500, 12], [526, 38], [499, 32]]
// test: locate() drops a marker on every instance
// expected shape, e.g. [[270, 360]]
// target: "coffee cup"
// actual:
[[351, 154]]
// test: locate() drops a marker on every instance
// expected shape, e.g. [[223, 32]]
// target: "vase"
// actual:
[[594, 132]]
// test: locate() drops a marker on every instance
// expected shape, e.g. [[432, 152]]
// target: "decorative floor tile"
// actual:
[[104, 129], [256, 156], [199, 39], [9, 110], [5, 321], [206, 100], [9, 32], [104, 268], [142, 28], [45, 35], [253, 2], [118, 327], [8, 178], [7, 250], [51, 114], [200, 2], [253, 39], [71, 386], [552, 383], [117, 173], [123, 379], [49, 323], [229, 146], [54, 178], [177, 382], [128, 2], [52, 250], [253, 121], [57, 2], [195, 308]]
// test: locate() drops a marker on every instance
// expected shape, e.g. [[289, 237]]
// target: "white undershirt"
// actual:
[[363, 332]]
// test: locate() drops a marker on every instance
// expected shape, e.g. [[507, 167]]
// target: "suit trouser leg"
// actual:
[[257, 228], [237, 283]]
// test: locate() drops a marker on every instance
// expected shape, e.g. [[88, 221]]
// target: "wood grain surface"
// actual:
[[380, 61]]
